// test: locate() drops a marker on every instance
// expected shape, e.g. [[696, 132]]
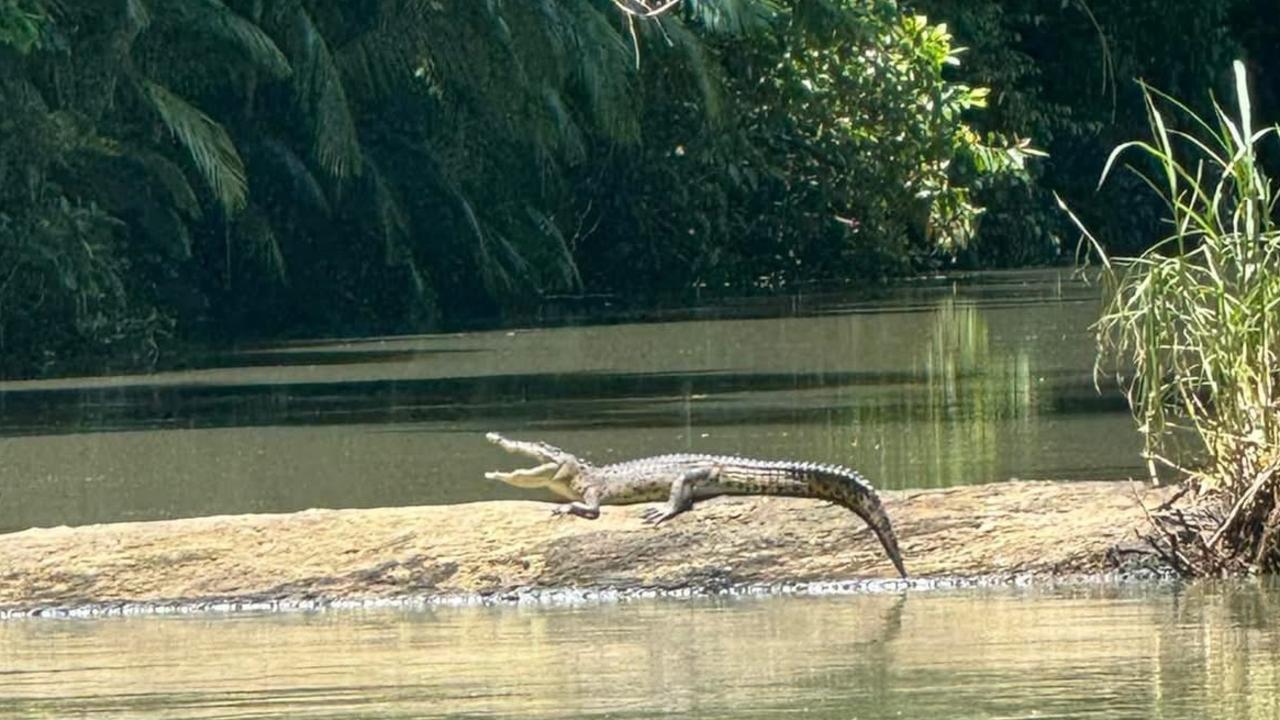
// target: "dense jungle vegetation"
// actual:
[[220, 170]]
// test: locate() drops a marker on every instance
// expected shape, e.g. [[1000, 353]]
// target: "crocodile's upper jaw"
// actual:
[[540, 451]]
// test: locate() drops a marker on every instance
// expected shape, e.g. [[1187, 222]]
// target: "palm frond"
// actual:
[[389, 216], [137, 15], [166, 229], [215, 18], [604, 72], [492, 272], [254, 230], [170, 178], [704, 69], [208, 143], [422, 290], [318, 87], [564, 264], [732, 17], [565, 133], [283, 163], [392, 50], [367, 70], [507, 268]]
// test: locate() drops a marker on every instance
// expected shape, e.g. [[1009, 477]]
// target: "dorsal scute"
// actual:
[[770, 465]]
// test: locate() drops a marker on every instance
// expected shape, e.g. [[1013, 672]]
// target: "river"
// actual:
[[1200, 653], [931, 383]]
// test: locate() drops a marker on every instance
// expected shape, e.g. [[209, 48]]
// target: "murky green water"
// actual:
[[932, 383], [1196, 653]]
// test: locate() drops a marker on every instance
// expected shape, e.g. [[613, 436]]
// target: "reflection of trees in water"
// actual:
[[1207, 653], [1219, 642], [977, 398]]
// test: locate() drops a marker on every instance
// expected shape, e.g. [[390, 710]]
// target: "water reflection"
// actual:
[[1202, 652], [932, 384], [979, 401]]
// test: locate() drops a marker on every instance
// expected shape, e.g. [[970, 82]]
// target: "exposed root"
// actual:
[[1218, 533]]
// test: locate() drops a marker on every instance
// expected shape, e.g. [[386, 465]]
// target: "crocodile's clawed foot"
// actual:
[[656, 515]]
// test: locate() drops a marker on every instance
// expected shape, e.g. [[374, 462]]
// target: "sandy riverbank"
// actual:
[[318, 557]]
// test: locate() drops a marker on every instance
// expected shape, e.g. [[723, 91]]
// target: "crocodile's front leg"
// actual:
[[682, 493], [588, 507]]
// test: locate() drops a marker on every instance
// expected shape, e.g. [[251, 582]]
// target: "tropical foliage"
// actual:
[[840, 158], [234, 168], [1062, 74]]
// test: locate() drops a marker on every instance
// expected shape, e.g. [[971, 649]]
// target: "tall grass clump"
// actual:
[[1188, 328]]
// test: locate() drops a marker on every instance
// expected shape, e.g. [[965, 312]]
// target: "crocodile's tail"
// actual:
[[879, 522], [847, 488]]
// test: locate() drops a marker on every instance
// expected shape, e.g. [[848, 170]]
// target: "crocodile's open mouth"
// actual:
[[550, 458]]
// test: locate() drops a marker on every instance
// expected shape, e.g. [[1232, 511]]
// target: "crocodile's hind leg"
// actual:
[[682, 494]]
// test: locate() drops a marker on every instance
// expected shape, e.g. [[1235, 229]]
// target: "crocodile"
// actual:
[[682, 479]]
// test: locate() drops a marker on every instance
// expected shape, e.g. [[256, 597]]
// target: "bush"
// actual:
[[1189, 327], [841, 150]]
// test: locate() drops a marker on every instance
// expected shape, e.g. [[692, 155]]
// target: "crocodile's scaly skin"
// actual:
[[682, 479]]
